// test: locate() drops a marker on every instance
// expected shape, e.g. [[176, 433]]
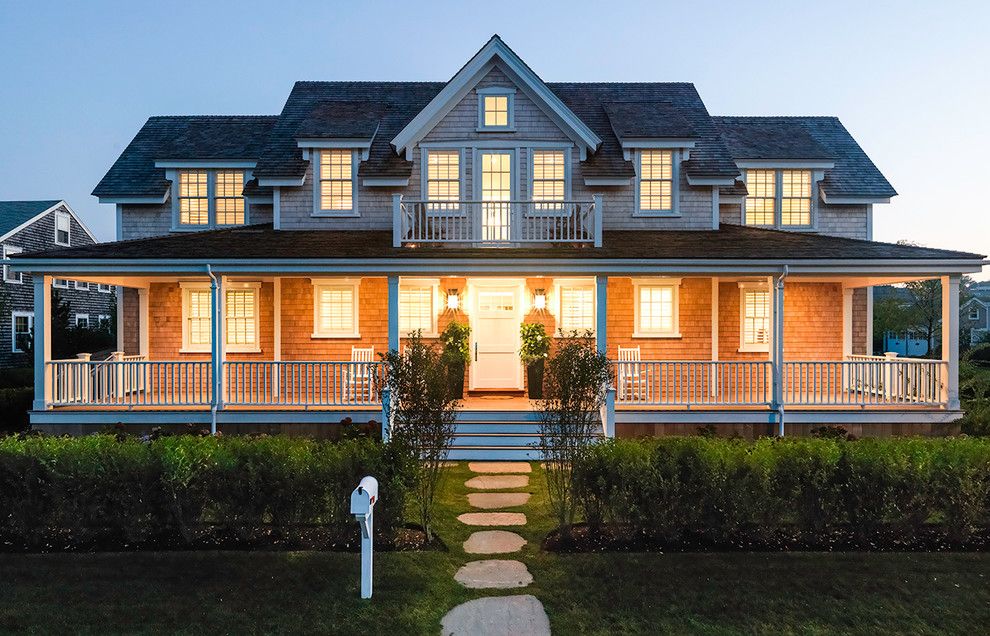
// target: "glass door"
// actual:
[[496, 194]]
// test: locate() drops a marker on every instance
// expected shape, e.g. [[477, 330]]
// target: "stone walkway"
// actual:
[[496, 615]]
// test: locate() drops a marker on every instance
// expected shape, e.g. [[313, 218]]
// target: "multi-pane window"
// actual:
[[754, 311], [337, 181], [194, 197], [416, 311], [762, 197], [241, 318], [778, 197], [9, 275], [495, 111], [82, 321], [22, 330], [60, 283], [336, 310], [656, 309], [548, 179], [82, 285], [229, 197], [63, 227], [197, 322], [443, 179], [577, 308], [656, 181]]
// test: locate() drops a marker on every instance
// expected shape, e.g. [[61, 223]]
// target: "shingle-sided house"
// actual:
[[976, 318], [727, 261], [32, 226]]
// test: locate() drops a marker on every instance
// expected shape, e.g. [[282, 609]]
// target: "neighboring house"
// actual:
[[976, 318], [35, 226], [726, 260]]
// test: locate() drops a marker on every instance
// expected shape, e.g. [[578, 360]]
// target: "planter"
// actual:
[[455, 371], [534, 379]]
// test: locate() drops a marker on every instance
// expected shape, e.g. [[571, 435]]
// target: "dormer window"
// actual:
[[495, 109], [656, 182], [778, 198], [336, 178], [208, 198]]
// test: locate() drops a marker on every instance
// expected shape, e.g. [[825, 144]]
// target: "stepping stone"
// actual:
[[497, 482], [491, 500], [498, 574], [497, 616], [500, 467], [493, 542], [492, 518]]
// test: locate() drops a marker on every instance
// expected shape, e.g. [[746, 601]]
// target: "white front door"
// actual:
[[495, 357], [496, 193]]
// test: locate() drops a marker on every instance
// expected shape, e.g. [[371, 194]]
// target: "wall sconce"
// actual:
[[453, 300], [540, 299]]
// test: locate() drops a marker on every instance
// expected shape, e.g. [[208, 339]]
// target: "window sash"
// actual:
[[779, 197], [495, 111], [337, 180], [795, 202], [8, 275], [761, 200], [755, 329], [443, 179], [241, 317], [656, 180], [63, 228], [336, 309], [60, 283], [549, 179], [416, 310], [199, 323], [21, 325], [656, 309], [82, 320], [194, 199], [229, 198], [577, 308]]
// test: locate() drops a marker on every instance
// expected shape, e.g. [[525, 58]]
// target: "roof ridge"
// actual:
[[775, 117], [213, 117]]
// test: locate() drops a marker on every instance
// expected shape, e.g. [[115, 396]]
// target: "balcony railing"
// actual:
[[496, 223]]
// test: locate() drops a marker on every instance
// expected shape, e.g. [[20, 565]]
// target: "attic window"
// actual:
[[495, 109], [63, 225]]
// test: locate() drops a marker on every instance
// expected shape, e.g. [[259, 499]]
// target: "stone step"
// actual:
[[493, 542], [492, 519], [497, 616], [499, 574]]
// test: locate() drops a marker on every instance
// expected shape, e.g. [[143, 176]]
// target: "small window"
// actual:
[[10, 276], [22, 331], [549, 180], [63, 226], [106, 289], [754, 313], [241, 318], [443, 179], [974, 314], [229, 197], [82, 286], [82, 321], [103, 322], [417, 309], [656, 181], [335, 308], [194, 199], [60, 283], [656, 307], [762, 197], [577, 308], [496, 111], [196, 319], [337, 181]]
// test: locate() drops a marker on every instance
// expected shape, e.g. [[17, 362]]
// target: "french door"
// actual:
[[496, 194]]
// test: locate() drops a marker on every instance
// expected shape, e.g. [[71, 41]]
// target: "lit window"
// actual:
[[548, 179], [82, 321], [194, 200], [9, 275], [795, 202], [196, 334], [336, 310], [496, 111], [63, 225], [656, 310], [337, 181], [241, 318], [754, 311], [577, 308], [443, 179], [230, 197], [656, 181], [22, 331], [416, 309], [761, 200]]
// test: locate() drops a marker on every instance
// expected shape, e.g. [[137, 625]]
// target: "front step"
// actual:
[[494, 453], [512, 436]]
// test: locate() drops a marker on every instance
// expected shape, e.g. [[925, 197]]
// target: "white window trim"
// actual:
[[778, 203], [497, 91], [675, 285], [554, 303], [675, 186], [461, 181], [84, 285], [100, 318], [63, 285], [434, 284], [211, 201], [78, 316], [68, 218], [254, 287], [316, 162], [336, 282], [5, 252], [188, 347], [13, 327], [745, 347], [106, 289], [531, 152]]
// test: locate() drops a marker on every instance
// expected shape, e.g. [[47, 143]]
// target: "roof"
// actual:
[[342, 120], [639, 120], [14, 214], [812, 138], [182, 137], [261, 242]]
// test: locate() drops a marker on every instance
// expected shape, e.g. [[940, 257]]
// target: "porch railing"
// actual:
[[864, 381], [497, 222], [130, 381], [302, 383], [702, 383]]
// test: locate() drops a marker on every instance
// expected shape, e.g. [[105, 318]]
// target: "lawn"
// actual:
[[727, 593]]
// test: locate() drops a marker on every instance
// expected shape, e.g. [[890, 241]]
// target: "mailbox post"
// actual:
[[363, 508]]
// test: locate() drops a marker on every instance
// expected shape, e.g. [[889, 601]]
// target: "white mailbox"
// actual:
[[363, 508]]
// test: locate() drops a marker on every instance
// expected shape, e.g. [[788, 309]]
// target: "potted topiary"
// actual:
[[456, 354], [534, 352]]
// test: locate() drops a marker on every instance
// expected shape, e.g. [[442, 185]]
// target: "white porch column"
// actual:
[[119, 293], [599, 211], [950, 341], [144, 317], [397, 229], [393, 312], [601, 313], [869, 322], [777, 349], [277, 335], [713, 381], [847, 322], [42, 341], [217, 349]]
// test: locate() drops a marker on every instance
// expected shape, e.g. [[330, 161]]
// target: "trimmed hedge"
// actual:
[[112, 492], [776, 493], [14, 407]]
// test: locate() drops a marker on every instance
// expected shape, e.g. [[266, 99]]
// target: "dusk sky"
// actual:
[[911, 84]]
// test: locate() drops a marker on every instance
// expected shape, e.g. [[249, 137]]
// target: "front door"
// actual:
[[496, 316], [496, 193]]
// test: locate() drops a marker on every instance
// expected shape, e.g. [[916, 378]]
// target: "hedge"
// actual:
[[778, 493], [112, 492]]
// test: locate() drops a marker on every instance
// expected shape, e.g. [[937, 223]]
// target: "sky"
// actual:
[[911, 81]]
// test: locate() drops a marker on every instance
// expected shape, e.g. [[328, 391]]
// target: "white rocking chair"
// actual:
[[631, 380], [359, 383]]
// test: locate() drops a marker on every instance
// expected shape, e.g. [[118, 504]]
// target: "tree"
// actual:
[[926, 308], [889, 315]]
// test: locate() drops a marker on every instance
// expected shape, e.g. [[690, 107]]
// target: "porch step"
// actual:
[[497, 440], [500, 453]]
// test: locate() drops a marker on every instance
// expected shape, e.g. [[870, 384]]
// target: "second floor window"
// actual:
[[443, 179], [229, 197], [194, 197], [9, 276], [778, 198], [656, 181], [548, 179], [336, 181], [210, 197], [63, 228]]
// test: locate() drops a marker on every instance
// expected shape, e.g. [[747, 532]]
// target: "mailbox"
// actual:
[[363, 500]]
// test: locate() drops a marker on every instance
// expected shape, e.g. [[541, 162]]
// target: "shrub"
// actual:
[[14, 407]]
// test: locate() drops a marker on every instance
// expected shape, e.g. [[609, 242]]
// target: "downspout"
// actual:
[[214, 339], [778, 345]]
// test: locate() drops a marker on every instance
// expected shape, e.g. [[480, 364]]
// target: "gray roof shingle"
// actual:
[[15, 213], [639, 120]]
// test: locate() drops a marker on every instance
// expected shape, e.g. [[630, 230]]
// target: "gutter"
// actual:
[[778, 346], [214, 349]]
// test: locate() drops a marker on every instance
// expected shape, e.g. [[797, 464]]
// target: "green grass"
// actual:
[[728, 593]]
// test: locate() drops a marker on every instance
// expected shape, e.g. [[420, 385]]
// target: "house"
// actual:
[[262, 260], [31, 226], [976, 318]]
